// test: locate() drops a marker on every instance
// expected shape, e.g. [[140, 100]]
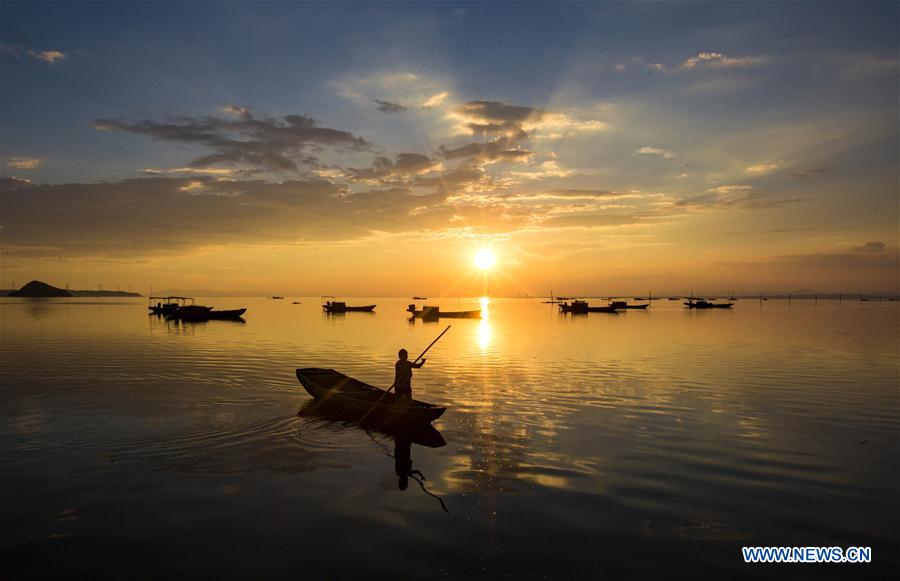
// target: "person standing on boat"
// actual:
[[403, 374]]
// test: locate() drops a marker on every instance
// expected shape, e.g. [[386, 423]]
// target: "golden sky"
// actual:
[[594, 149]]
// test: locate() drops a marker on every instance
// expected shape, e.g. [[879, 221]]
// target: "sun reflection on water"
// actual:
[[485, 334]]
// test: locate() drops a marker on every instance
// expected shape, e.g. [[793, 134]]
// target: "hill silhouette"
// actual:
[[38, 288]]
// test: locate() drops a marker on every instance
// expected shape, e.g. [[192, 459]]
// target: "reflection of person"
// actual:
[[403, 374], [403, 462]]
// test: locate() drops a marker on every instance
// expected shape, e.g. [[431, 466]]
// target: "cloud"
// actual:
[[48, 56], [866, 65], [647, 150], [813, 171], [160, 214], [870, 247], [736, 196], [11, 182], [502, 149], [21, 162], [435, 100], [264, 144], [388, 107], [763, 168], [213, 171], [401, 166], [869, 256], [719, 60]]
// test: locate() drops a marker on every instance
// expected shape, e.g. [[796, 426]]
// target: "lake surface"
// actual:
[[641, 445]]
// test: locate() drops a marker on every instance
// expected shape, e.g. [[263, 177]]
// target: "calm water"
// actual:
[[648, 444]]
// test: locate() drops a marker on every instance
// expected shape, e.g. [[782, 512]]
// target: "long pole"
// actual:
[[421, 355]]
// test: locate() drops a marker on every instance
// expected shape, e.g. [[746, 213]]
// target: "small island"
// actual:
[[40, 289]]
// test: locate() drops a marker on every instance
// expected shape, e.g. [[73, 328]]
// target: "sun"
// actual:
[[485, 259]]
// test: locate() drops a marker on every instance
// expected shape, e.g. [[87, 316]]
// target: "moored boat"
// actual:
[[167, 305], [332, 307], [196, 313], [334, 388], [618, 305], [578, 307], [431, 313], [704, 304]]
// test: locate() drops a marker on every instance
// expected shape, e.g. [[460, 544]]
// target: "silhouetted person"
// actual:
[[403, 462], [403, 374]]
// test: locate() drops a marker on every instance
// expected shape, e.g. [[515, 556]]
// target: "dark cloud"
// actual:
[[741, 199], [502, 149], [853, 260], [265, 144], [500, 121], [8, 183], [401, 166], [388, 107], [497, 112], [813, 171], [152, 215], [871, 247]]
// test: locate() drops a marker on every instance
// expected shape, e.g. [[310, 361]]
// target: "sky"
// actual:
[[374, 148]]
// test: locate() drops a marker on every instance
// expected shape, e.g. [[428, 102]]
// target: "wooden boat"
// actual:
[[167, 305], [195, 313], [432, 313], [624, 305], [332, 306], [333, 388], [231, 314], [574, 308], [704, 304], [582, 307]]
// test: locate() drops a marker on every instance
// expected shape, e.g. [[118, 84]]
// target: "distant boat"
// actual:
[[432, 313], [624, 305], [420, 298], [276, 298], [358, 398], [582, 307], [674, 299], [704, 304], [335, 307], [296, 303]]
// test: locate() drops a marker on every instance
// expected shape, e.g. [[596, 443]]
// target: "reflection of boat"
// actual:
[[582, 307], [624, 305], [355, 397], [197, 313], [333, 306], [170, 305], [433, 313], [422, 434], [704, 304]]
